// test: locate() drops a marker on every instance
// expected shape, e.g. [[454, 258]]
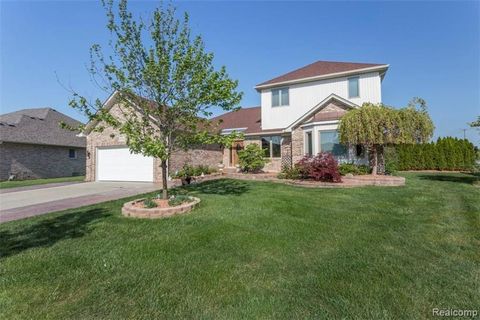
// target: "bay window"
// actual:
[[329, 142], [308, 143]]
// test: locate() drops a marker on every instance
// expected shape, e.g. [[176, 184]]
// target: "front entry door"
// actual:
[[236, 146]]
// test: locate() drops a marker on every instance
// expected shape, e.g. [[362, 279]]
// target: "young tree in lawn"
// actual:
[[165, 82], [377, 125]]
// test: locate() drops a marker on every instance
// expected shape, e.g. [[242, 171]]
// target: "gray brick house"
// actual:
[[33, 146]]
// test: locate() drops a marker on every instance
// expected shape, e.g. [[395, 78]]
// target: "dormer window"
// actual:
[[280, 97], [353, 90]]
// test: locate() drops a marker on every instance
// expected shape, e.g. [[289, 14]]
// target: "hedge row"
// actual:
[[445, 154]]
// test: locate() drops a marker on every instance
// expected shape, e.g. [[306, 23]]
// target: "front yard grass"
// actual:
[[33, 182], [254, 250]]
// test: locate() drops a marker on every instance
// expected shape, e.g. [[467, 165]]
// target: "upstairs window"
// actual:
[[280, 97], [72, 153], [353, 90], [272, 146]]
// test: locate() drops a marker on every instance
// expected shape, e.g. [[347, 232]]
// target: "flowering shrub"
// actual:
[[322, 167]]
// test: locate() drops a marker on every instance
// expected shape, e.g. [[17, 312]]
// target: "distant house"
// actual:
[[32, 145]]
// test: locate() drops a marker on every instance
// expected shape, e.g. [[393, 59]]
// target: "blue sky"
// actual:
[[433, 48]]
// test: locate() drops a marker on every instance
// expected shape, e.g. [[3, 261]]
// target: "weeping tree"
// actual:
[[164, 81], [376, 125]]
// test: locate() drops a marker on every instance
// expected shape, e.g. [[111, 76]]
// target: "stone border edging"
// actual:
[[347, 182], [129, 210]]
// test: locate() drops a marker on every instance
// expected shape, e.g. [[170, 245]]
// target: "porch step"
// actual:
[[230, 170]]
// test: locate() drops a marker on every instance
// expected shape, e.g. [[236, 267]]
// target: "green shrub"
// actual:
[[391, 160], [446, 153], [346, 168], [191, 171], [289, 173], [364, 169], [177, 200], [149, 203], [251, 159]]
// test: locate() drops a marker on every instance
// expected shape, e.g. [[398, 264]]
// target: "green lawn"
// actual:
[[254, 250], [25, 183]]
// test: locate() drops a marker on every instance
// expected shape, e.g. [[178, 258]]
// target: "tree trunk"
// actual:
[[374, 160], [164, 180]]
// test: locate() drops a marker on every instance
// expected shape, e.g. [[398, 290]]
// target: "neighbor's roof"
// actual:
[[321, 69], [248, 119], [39, 126]]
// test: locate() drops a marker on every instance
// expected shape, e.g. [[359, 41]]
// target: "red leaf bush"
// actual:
[[322, 167]]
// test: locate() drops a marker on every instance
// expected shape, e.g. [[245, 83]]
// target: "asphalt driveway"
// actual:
[[26, 203]]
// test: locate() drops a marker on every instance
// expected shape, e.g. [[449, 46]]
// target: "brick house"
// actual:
[[298, 115], [300, 112], [109, 159], [33, 146]]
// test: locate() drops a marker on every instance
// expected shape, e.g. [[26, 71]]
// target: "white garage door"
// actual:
[[118, 164]]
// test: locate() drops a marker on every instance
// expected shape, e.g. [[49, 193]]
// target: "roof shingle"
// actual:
[[320, 68], [249, 118], [39, 126]]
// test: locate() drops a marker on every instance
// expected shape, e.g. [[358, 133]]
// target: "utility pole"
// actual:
[[464, 133]]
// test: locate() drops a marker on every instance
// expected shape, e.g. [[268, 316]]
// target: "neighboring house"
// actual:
[[32, 145], [298, 116]]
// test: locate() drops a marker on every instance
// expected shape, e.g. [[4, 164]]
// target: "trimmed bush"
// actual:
[[445, 154], [251, 159], [322, 167], [358, 170]]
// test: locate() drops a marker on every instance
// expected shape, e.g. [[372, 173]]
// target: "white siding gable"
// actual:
[[304, 96]]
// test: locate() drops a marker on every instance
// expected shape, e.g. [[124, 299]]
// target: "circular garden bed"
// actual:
[[138, 209]]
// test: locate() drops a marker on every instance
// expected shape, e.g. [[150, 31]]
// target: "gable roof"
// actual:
[[245, 119], [39, 126], [319, 106], [322, 69]]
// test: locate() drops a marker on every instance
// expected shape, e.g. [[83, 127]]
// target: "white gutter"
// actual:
[[319, 123]]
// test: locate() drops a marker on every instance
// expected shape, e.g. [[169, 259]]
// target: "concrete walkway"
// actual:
[[26, 203]]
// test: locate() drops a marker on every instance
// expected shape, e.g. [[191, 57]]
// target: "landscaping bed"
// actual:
[[347, 181], [162, 208]]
